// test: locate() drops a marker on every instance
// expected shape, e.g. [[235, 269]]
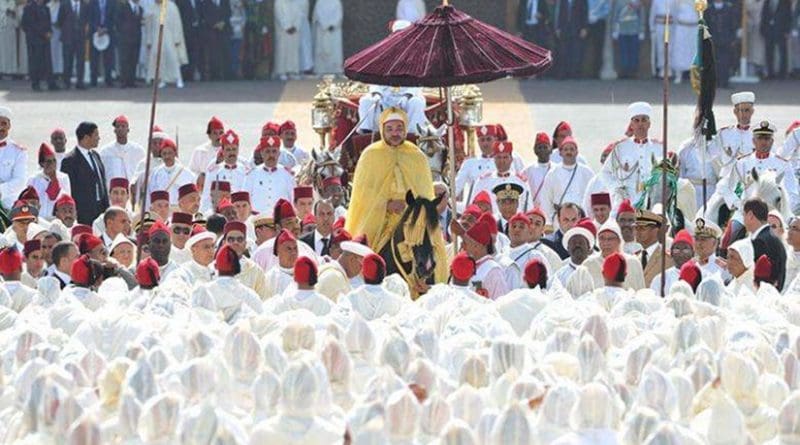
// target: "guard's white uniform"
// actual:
[[202, 156], [472, 169], [791, 151], [409, 99], [628, 166], [267, 185], [534, 176], [490, 274], [693, 168], [731, 143], [221, 172], [293, 158], [170, 179], [120, 160], [741, 171], [13, 171], [564, 184]]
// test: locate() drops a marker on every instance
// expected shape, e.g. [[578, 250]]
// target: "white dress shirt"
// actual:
[[120, 160]]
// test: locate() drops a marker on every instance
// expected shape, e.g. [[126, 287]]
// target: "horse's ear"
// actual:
[[442, 130], [754, 174], [420, 130], [409, 198]]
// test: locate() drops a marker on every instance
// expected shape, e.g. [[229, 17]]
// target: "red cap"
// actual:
[[31, 246], [339, 223], [64, 200], [763, 269], [119, 182], [272, 126], [234, 225], [537, 211], [341, 235], [10, 260], [603, 198], [269, 142], [182, 218], [683, 236], [501, 132], [45, 150], [536, 274], [147, 273], [287, 125], [488, 218], [230, 138], [81, 271], [215, 124], [333, 180], [309, 219], [520, 217], [487, 130], [79, 229], [587, 224], [303, 192], [502, 147], [305, 271], [625, 207], [462, 267], [569, 140], [224, 205], [159, 195], [563, 126], [187, 189], [157, 129], [158, 226], [121, 119], [473, 211], [793, 126], [222, 186], [361, 239], [283, 209], [373, 268], [168, 143], [284, 237], [691, 274], [615, 268], [28, 194], [241, 196], [480, 233], [482, 197], [542, 138], [88, 242], [227, 261]]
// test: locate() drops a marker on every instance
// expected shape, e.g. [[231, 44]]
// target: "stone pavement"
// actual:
[[595, 109]]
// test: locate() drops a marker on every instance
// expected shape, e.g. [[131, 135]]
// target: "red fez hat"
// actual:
[[45, 150], [615, 268], [462, 267], [147, 273], [473, 211], [222, 186], [309, 219], [569, 140], [625, 207], [480, 233], [157, 129], [340, 236], [234, 225], [121, 119], [271, 142], [482, 197], [683, 236], [691, 274], [502, 147], [520, 217], [230, 138], [373, 268], [487, 130], [305, 271], [537, 211], [182, 218], [501, 132], [587, 224], [224, 205], [88, 242], [215, 124], [186, 189], [333, 180], [29, 193], [283, 209], [287, 125], [79, 229], [31, 246], [118, 182], [361, 239], [602, 198], [168, 143], [158, 226], [271, 126], [339, 223], [563, 126], [542, 139], [81, 271], [10, 260], [793, 126], [536, 274], [64, 200], [284, 236], [159, 195], [227, 261], [763, 268], [240, 196], [303, 191], [488, 218]]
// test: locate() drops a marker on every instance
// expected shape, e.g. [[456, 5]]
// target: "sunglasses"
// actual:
[[235, 239], [181, 230], [268, 226]]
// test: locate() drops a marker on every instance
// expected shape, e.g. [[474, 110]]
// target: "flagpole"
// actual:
[[700, 7], [452, 155], [156, 79], [663, 234]]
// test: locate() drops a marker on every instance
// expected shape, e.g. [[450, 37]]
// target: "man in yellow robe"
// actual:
[[386, 170]]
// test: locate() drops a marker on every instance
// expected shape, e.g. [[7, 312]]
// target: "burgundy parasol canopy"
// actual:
[[448, 47]]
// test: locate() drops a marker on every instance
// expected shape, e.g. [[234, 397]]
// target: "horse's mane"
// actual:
[[431, 218]]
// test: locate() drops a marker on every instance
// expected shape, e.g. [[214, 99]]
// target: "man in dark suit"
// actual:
[[73, 19], [776, 24], [38, 30], [191, 19], [101, 20], [571, 24], [320, 238], [723, 20], [568, 216], [216, 16], [87, 174], [764, 241], [128, 33]]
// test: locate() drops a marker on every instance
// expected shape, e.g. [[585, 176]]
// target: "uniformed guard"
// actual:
[[14, 159], [734, 141], [706, 235], [507, 198]]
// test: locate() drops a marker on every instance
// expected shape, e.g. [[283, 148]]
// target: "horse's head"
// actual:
[[431, 142], [326, 164], [767, 186], [419, 223]]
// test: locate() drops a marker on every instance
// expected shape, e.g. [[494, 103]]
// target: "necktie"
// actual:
[[98, 185], [644, 259], [53, 189], [325, 246]]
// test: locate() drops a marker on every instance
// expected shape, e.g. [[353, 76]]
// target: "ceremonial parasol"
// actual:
[[446, 48]]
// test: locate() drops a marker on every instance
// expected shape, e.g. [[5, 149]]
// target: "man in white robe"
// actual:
[[609, 240], [8, 37], [372, 300], [339, 277], [225, 293], [327, 24], [121, 157], [198, 269], [566, 182], [288, 23], [56, 48], [740, 264], [19, 295], [173, 53], [302, 295], [280, 277], [683, 44], [251, 275], [171, 175], [306, 38]]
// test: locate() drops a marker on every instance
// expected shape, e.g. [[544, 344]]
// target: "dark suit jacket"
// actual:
[[84, 184], [97, 20], [36, 23], [765, 243], [554, 242], [213, 14], [190, 15], [778, 22], [128, 25], [310, 240], [73, 28], [571, 18]]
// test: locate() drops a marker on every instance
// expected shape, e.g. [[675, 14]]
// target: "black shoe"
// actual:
[[36, 87], [53, 87], [80, 86]]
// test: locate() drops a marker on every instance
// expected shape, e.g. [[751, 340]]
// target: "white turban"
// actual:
[[639, 109], [744, 248], [743, 97], [5, 112]]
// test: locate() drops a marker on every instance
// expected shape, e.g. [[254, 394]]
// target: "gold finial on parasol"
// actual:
[[700, 6]]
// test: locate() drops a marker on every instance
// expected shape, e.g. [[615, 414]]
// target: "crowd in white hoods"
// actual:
[[533, 367]]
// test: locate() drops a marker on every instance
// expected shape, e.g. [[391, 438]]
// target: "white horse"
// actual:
[[431, 142], [766, 186]]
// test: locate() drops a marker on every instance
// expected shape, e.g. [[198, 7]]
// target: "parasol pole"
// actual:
[[451, 145], [663, 234], [161, 18]]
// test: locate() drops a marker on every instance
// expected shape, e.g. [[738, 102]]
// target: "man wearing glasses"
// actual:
[[235, 236], [181, 228]]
